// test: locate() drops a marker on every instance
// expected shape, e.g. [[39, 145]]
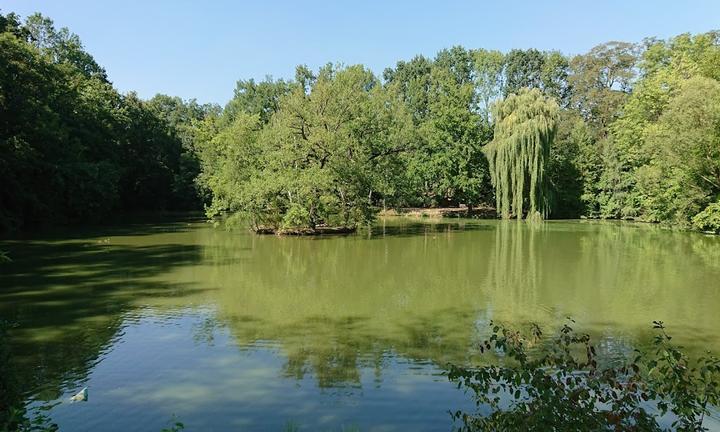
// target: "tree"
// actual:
[[554, 77], [569, 167], [230, 162], [61, 46], [525, 125], [447, 167], [183, 119], [256, 98], [601, 82], [523, 69], [322, 159], [450, 168], [412, 80], [54, 128], [71, 147], [683, 176], [665, 65], [623, 131], [459, 62], [547, 71], [489, 79]]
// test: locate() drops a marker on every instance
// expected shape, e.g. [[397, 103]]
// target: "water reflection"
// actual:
[[63, 295], [201, 313]]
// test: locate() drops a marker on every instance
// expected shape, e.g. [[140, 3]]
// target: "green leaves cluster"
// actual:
[[708, 220], [450, 98], [557, 384], [447, 166]]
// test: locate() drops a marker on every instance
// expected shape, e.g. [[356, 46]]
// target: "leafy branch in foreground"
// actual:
[[542, 384]]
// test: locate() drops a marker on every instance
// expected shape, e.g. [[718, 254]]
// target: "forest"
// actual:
[[624, 131]]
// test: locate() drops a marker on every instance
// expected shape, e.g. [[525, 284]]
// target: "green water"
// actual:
[[232, 331]]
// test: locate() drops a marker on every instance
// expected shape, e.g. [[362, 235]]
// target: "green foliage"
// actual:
[[632, 132], [523, 69], [547, 71], [488, 79], [708, 220], [324, 158], [601, 81], [558, 384], [447, 166], [412, 80], [633, 157], [525, 126], [683, 174], [261, 98], [567, 169], [71, 147]]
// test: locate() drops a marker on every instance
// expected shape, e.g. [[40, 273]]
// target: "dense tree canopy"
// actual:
[[630, 154], [71, 147], [325, 157], [447, 166], [623, 131]]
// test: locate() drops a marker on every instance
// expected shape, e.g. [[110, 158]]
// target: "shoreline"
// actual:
[[304, 231], [442, 212]]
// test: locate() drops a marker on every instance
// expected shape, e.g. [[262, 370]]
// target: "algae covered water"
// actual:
[[227, 330]]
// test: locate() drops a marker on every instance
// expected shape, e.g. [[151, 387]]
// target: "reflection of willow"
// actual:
[[614, 278], [336, 305], [515, 269]]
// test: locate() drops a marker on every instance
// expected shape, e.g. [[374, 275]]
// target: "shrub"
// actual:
[[708, 219], [556, 384]]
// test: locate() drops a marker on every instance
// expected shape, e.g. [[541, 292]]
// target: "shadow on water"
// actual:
[[64, 303], [135, 225], [411, 228], [405, 227]]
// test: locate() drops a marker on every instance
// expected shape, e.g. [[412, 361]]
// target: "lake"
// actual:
[[227, 330]]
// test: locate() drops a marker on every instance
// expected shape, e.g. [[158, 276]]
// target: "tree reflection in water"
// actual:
[[331, 308]]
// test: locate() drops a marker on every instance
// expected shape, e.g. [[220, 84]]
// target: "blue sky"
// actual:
[[199, 49]]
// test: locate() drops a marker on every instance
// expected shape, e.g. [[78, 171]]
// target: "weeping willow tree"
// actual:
[[525, 126]]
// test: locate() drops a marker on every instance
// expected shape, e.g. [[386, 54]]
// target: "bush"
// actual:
[[708, 219], [556, 385]]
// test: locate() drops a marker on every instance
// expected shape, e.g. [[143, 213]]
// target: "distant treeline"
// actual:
[[624, 131]]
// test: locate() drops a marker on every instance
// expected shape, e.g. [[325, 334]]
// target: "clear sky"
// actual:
[[199, 49]]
